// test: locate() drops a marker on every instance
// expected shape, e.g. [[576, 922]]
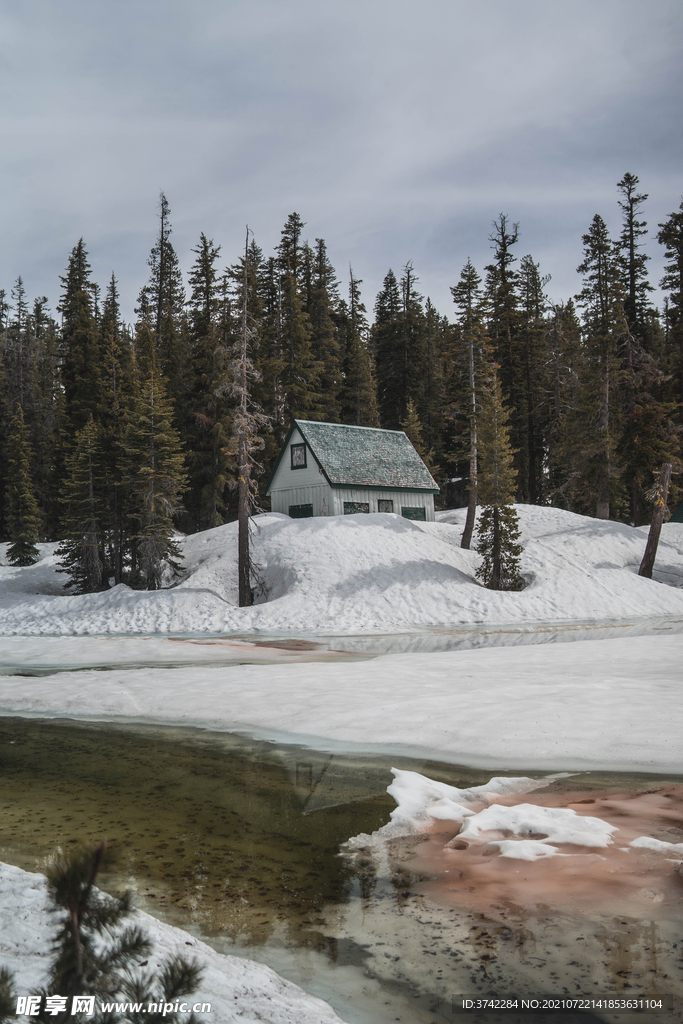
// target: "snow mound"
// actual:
[[658, 845], [547, 825], [421, 800], [364, 574], [522, 831]]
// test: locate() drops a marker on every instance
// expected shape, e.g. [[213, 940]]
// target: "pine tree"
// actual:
[[504, 324], [81, 357], [433, 398], [18, 353], [598, 427], [566, 373], [95, 953], [357, 397], [632, 262], [208, 422], [412, 428], [248, 421], [164, 298], [265, 309], [21, 508], [533, 358], [670, 235], [81, 552], [300, 369], [471, 374], [498, 527], [387, 348], [155, 473], [322, 306], [46, 426]]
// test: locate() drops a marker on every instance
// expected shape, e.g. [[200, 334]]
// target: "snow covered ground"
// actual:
[[365, 573], [592, 704], [589, 704], [612, 704], [238, 990]]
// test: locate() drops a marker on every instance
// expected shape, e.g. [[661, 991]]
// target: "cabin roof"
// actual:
[[363, 457]]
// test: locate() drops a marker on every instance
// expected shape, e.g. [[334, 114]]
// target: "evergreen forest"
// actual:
[[115, 436]]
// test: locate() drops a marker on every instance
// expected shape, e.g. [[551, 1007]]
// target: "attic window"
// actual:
[[298, 452]]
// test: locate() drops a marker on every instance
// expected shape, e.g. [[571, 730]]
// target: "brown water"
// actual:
[[238, 841]]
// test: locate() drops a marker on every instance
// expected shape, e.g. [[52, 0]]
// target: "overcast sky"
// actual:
[[397, 130]]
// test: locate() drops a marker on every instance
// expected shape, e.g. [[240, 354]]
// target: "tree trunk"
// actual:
[[472, 501], [246, 596], [497, 550], [648, 561], [471, 513]]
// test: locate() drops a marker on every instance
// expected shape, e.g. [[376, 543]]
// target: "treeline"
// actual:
[[113, 435]]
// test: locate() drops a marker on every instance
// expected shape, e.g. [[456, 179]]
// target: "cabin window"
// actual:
[[419, 514], [385, 505], [351, 508], [301, 511], [298, 453]]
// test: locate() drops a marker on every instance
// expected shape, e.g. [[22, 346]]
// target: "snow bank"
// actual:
[[554, 825], [592, 704], [365, 573], [422, 801], [239, 990], [659, 845]]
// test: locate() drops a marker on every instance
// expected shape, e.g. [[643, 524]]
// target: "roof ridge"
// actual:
[[350, 426]]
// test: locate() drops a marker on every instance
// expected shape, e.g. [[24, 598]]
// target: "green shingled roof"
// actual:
[[365, 457]]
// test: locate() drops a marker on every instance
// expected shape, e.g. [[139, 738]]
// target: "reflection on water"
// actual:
[[238, 840]]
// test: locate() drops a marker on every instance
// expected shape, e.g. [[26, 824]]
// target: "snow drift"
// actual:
[[364, 573]]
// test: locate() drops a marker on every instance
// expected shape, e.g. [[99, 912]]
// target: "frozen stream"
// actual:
[[238, 840], [44, 655]]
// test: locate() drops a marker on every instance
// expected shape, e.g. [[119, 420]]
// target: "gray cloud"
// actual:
[[396, 132]]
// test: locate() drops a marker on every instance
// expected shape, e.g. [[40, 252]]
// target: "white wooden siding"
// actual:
[[318, 496], [407, 499], [329, 501], [287, 478]]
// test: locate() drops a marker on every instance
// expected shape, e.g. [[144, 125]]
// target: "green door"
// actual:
[[419, 514]]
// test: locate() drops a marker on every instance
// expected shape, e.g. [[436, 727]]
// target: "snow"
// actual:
[[420, 801], [608, 704], [365, 573], [659, 845], [595, 704], [560, 825], [239, 990]]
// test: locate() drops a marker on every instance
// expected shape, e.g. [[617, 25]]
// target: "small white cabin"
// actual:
[[330, 469]]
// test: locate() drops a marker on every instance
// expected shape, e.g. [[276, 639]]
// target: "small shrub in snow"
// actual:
[[95, 954]]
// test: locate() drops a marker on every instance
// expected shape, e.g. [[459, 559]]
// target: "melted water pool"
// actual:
[[238, 841]]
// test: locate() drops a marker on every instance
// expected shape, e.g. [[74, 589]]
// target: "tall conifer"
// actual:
[[357, 399], [81, 357], [208, 426], [165, 300], [498, 527], [471, 374], [599, 426], [21, 508], [82, 554]]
